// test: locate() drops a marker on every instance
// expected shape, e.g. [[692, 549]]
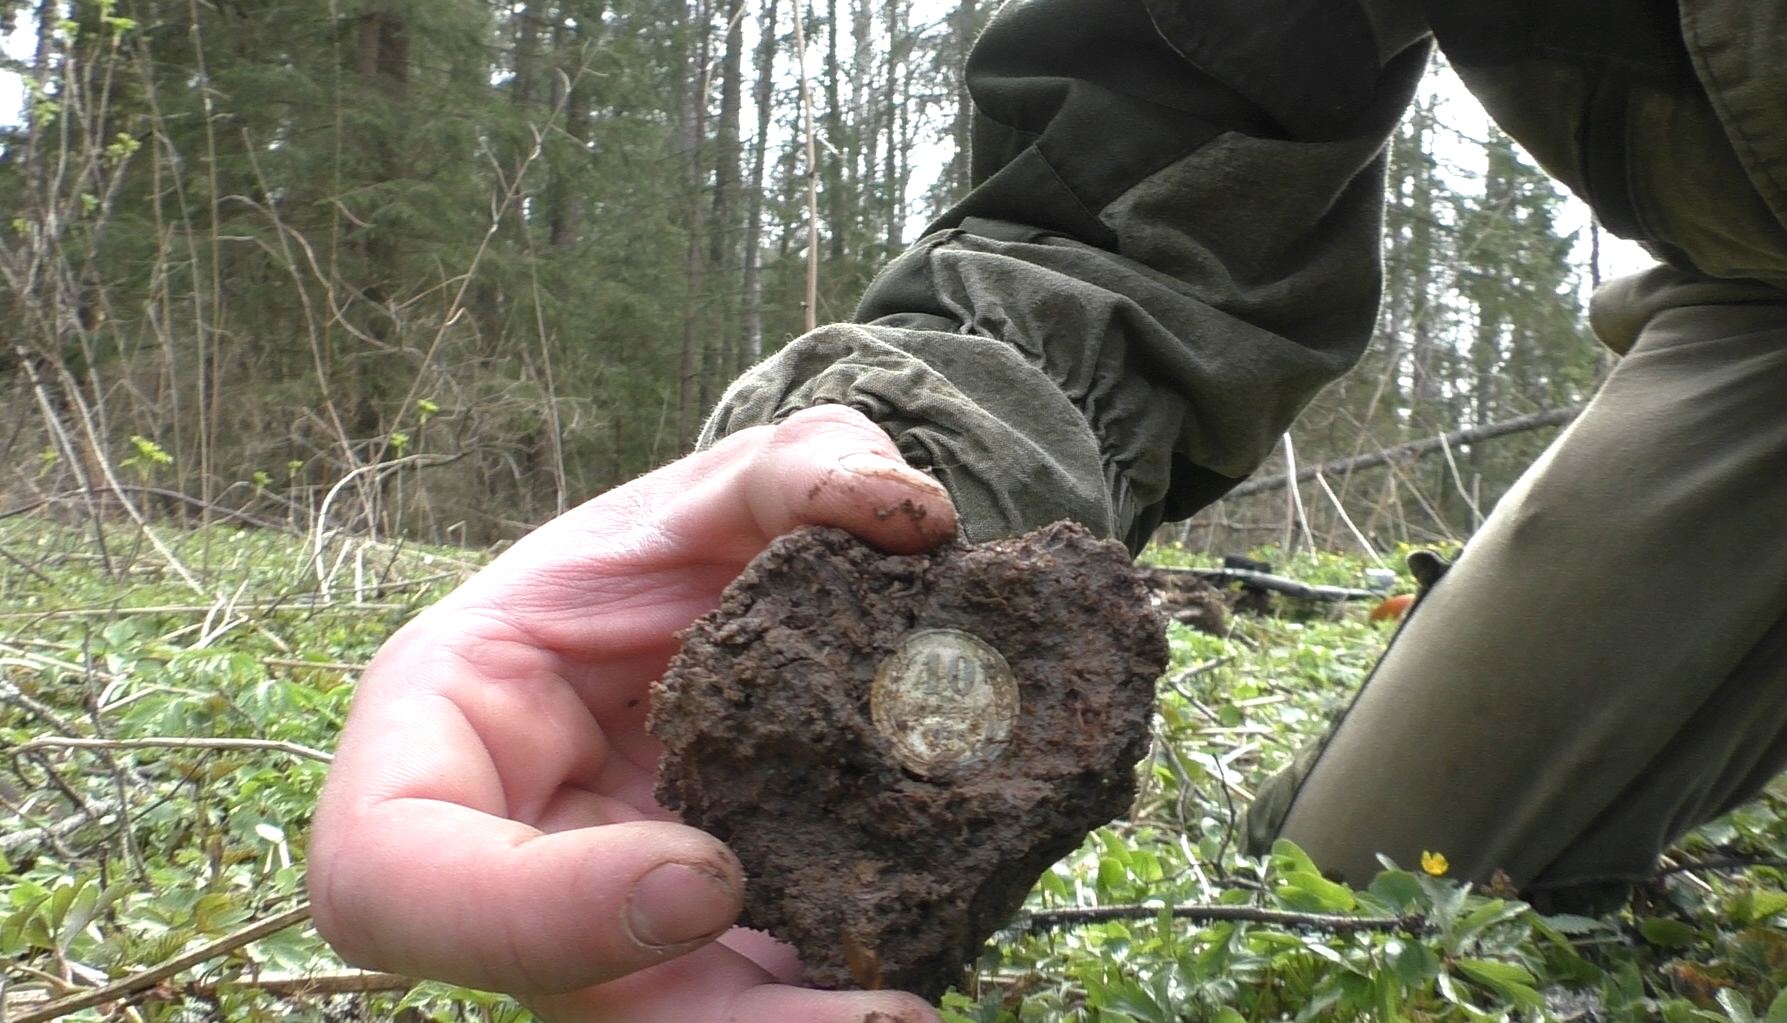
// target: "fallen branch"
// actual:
[[1267, 581], [1054, 918], [11, 844], [23, 509], [174, 495], [1413, 449], [1727, 863], [318, 985], [347, 982], [304, 606], [156, 974], [27, 567], [170, 742], [289, 662]]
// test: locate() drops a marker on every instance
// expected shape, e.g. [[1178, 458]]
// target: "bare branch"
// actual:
[[12, 843], [1728, 863], [156, 974], [171, 742], [1266, 581], [1055, 918], [1413, 449]]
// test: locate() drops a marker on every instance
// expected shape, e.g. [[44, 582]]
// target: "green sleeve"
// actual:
[[1171, 245]]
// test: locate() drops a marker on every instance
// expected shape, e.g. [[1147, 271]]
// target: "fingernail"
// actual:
[[678, 903], [868, 463]]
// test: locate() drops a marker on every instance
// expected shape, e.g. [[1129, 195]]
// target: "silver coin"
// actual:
[[946, 701]]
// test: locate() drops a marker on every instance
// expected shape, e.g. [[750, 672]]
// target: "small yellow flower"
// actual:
[[1435, 864]]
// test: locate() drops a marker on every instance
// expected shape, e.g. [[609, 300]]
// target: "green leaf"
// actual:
[[1567, 923], [36, 931], [1416, 964], [1624, 986], [1513, 983], [1680, 1010], [1491, 971], [954, 1000], [1755, 905], [1735, 1005], [1213, 961], [1448, 899], [1489, 914], [81, 911], [1288, 857], [1310, 892], [1111, 875], [1777, 1009], [1388, 996], [1666, 933], [1399, 889]]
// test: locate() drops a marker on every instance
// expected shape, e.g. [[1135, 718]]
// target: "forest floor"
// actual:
[[191, 686]]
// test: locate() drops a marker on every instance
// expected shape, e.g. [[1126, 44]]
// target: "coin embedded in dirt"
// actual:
[[946, 700], [897, 746]]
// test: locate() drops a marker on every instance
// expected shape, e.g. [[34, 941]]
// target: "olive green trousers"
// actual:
[[1605, 667]]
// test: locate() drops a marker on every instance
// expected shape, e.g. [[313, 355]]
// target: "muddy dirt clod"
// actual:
[[896, 747]]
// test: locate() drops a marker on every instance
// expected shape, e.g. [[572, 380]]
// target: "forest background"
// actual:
[[464, 264]]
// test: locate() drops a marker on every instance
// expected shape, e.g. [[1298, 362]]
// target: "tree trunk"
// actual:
[[964, 24], [527, 52], [692, 129], [866, 106], [573, 38], [835, 208], [722, 335], [764, 97], [899, 124]]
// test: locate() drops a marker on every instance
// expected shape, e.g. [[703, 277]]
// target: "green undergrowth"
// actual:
[[263, 644], [1705, 944]]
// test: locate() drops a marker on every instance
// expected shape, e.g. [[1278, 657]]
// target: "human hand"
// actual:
[[489, 818]]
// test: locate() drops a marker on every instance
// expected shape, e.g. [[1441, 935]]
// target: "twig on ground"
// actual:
[[346, 982], [292, 662], [171, 742], [54, 833], [121, 782], [1199, 669], [1340, 510], [1184, 778], [1267, 581], [1296, 514], [23, 509], [175, 495], [296, 606], [1727, 863], [154, 975], [27, 567], [1053, 918]]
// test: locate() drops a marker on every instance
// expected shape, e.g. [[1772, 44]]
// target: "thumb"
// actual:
[[831, 466], [490, 903]]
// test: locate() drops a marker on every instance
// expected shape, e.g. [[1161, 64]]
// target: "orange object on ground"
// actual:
[[1392, 609]]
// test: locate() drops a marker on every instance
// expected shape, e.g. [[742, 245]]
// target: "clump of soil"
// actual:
[[892, 787]]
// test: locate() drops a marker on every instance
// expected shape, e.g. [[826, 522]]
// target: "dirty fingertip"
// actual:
[[908, 526], [875, 466]]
